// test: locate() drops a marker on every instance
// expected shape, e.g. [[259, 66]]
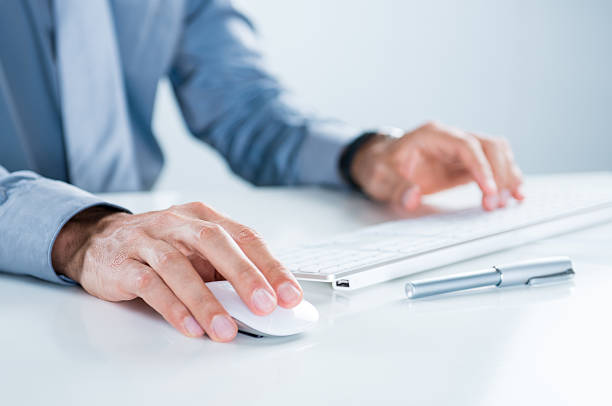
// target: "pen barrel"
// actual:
[[520, 273], [479, 279]]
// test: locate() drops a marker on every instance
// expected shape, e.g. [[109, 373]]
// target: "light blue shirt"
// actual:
[[227, 99]]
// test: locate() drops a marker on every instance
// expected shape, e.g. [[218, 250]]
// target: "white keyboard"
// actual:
[[398, 248]]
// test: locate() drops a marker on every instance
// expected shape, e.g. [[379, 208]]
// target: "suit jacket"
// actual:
[[226, 97]]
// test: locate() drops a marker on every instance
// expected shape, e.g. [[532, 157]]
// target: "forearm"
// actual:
[[230, 101], [279, 147], [33, 210]]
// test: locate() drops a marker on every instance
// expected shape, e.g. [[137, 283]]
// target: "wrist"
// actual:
[[364, 159], [347, 158], [67, 253]]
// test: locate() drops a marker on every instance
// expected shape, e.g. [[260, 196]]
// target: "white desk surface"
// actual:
[[541, 346]]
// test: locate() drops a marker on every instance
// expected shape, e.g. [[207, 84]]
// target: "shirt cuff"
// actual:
[[33, 210], [319, 155]]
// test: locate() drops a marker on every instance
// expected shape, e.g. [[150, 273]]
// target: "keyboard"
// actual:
[[398, 248]]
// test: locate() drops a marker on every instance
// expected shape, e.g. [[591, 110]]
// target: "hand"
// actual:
[[433, 158], [165, 257]]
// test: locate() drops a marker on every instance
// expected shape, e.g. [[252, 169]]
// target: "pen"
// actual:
[[532, 272]]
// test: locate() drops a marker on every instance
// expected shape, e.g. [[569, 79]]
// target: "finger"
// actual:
[[180, 276], [469, 151], [406, 159], [516, 176], [499, 150], [211, 241], [473, 157], [142, 281], [288, 290], [496, 155], [517, 191], [204, 268]]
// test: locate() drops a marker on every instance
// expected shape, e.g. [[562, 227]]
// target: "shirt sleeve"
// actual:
[[231, 102], [33, 210]]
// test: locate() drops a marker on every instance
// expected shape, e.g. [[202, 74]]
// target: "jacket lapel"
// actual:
[[41, 17], [30, 89]]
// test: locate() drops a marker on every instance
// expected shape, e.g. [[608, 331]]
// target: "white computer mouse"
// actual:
[[281, 322]]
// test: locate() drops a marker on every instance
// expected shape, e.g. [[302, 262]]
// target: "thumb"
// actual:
[[408, 196]]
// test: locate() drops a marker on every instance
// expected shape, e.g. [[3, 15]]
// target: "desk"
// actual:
[[541, 346]]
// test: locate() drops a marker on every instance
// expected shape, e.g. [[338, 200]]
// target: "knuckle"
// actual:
[[177, 312], [486, 141], [168, 216], [248, 235], [502, 142], [431, 126], [202, 210], [196, 299], [469, 142], [169, 258], [197, 206], [495, 143], [206, 304], [247, 272], [134, 234], [276, 268], [210, 230], [144, 280]]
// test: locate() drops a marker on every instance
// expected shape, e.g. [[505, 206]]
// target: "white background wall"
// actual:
[[538, 72]]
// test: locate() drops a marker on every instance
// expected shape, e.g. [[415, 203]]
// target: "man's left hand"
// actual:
[[433, 158]]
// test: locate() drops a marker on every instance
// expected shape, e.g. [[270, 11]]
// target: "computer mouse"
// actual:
[[281, 322]]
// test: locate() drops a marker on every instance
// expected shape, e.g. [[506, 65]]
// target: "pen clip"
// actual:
[[556, 277]]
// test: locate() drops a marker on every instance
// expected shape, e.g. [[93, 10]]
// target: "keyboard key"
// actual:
[[395, 240]]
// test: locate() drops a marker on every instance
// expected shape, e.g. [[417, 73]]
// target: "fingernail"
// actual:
[[491, 202], [263, 301], [519, 194], [192, 327], [223, 327], [288, 293]]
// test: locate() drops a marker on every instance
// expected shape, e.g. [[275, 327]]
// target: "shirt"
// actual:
[[226, 96]]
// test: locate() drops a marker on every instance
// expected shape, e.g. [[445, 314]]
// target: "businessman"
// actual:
[[77, 85]]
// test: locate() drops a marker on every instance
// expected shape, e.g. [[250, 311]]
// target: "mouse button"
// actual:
[[284, 322], [306, 311], [229, 299]]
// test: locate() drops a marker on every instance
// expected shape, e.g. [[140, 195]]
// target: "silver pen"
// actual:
[[532, 272]]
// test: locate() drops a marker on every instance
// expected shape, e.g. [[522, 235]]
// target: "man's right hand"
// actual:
[[165, 257]]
